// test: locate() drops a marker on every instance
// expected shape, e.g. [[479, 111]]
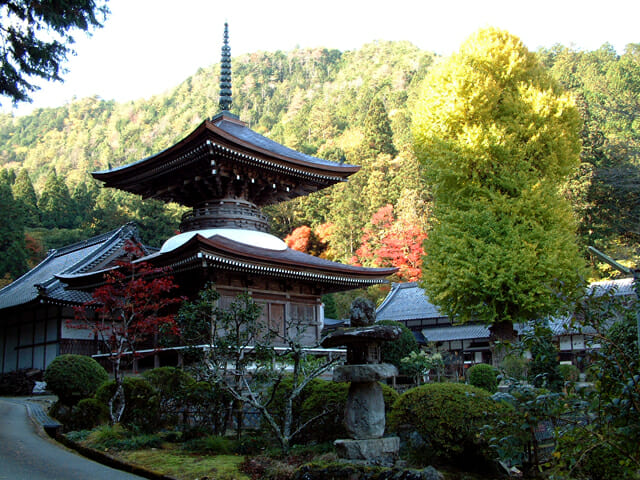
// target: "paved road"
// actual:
[[25, 454]]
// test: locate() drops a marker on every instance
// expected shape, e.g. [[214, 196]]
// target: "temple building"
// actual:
[[224, 172], [467, 344]]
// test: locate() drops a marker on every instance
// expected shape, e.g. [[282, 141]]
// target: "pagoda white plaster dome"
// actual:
[[248, 237]]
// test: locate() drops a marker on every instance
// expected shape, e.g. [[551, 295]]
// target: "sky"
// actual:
[[147, 47]]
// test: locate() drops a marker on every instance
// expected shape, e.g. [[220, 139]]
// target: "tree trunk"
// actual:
[[117, 402]]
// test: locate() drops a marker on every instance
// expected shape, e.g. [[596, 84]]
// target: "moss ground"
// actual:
[[184, 466]]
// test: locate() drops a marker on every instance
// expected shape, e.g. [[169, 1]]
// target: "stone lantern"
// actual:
[[364, 413]]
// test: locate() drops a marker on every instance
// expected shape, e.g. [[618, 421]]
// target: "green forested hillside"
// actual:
[[353, 105]]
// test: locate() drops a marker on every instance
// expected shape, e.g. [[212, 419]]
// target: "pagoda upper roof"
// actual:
[[221, 156], [223, 253]]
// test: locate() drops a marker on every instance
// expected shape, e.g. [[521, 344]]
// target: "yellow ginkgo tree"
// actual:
[[497, 137]]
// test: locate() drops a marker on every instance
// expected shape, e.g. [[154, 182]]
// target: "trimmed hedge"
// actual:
[[484, 376], [74, 377], [445, 418], [87, 414], [142, 409]]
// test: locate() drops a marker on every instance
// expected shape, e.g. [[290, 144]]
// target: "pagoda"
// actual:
[[225, 172]]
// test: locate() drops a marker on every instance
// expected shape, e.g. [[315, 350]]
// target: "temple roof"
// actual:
[[222, 253], [407, 301], [82, 257], [222, 158]]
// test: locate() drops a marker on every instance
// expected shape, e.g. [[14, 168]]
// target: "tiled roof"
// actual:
[[455, 332], [407, 301], [77, 258], [622, 286], [242, 132], [226, 254]]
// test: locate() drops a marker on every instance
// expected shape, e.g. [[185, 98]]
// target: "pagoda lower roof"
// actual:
[[220, 155], [221, 253]]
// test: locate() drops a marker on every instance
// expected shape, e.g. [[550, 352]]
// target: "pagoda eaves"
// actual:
[[223, 158], [220, 254]]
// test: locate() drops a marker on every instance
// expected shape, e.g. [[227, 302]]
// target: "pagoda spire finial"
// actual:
[[225, 72]]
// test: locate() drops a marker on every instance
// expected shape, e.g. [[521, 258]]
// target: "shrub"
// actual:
[[515, 367], [87, 414], [569, 373], [484, 376], [141, 402], [212, 444], [207, 405], [118, 438], [173, 386], [74, 377], [323, 396], [595, 462], [393, 352], [446, 417]]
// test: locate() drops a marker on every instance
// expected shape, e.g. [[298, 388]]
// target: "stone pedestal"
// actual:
[[372, 451], [364, 413]]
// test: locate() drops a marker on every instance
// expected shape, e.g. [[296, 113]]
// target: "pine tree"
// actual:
[[83, 199], [25, 195], [56, 210], [378, 136], [13, 254]]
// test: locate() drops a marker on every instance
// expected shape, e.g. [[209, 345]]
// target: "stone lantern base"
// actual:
[[371, 451]]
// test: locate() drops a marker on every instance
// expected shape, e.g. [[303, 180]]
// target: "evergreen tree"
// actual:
[[497, 137], [83, 199], [25, 195], [378, 136], [13, 253], [35, 37], [56, 209]]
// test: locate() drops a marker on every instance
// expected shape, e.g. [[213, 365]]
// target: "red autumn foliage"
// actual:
[[391, 242], [299, 239], [132, 304], [306, 240]]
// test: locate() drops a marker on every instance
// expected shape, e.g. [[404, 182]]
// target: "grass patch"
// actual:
[[183, 466]]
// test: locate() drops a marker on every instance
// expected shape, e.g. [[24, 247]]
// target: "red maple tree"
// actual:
[[392, 242], [311, 241], [132, 304]]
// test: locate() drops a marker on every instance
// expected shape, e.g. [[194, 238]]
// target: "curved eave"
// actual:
[[224, 254], [254, 138], [209, 137]]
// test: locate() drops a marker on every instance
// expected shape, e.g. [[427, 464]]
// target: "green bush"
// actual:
[[87, 414], [207, 404], [484, 376], [447, 418], [212, 445], [118, 438], [515, 367], [595, 462], [393, 352], [142, 410], [569, 373], [173, 386], [74, 377], [322, 396]]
